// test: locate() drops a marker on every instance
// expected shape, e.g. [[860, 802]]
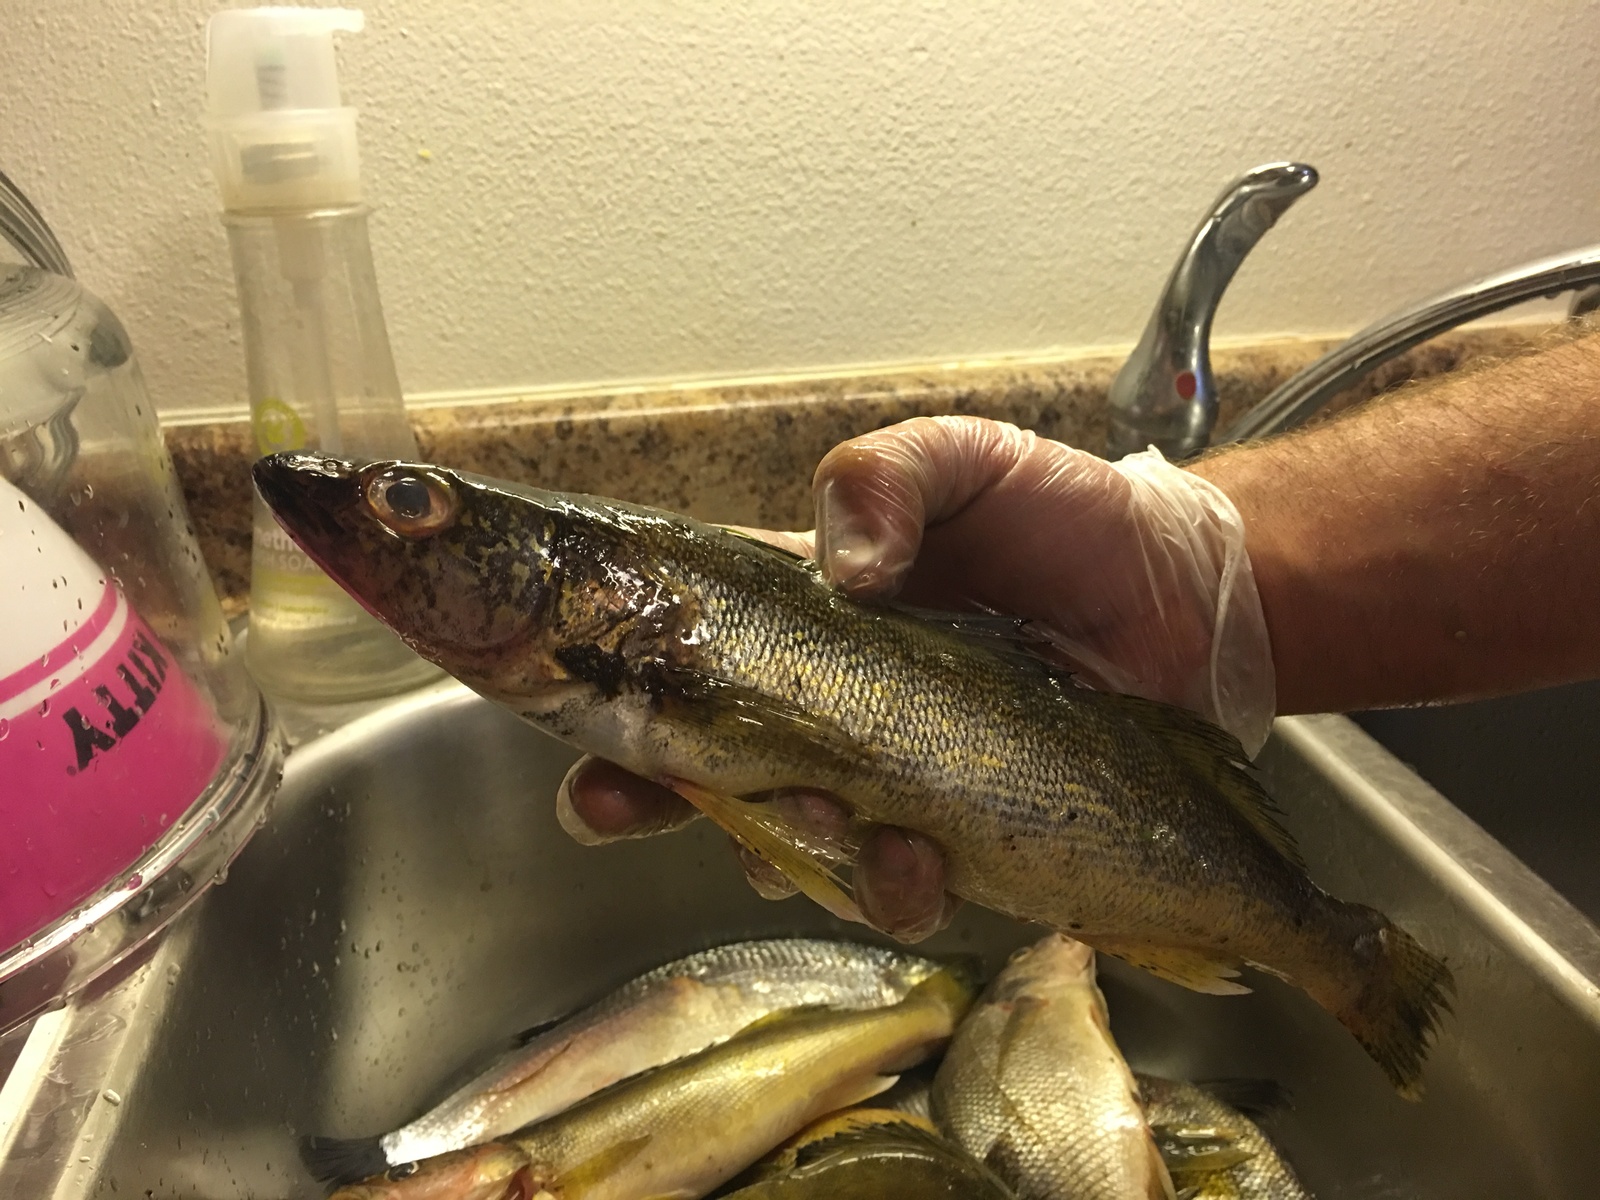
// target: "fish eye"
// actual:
[[414, 503], [401, 1171]]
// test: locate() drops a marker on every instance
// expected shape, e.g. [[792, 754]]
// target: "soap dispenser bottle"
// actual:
[[320, 372]]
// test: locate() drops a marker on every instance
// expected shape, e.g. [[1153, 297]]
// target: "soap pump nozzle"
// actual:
[[280, 137]]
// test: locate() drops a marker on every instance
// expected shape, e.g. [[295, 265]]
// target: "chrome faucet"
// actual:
[[1165, 394], [1296, 399]]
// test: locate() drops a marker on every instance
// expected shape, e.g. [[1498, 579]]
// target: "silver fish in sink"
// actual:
[[724, 668], [691, 1125], [663, 1015], [1035, 1088]]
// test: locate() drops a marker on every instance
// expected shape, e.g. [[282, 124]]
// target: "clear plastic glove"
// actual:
[[1135, 572]]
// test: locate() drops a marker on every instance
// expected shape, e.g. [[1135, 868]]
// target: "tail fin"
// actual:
[[342, 1160], [1407, 991]]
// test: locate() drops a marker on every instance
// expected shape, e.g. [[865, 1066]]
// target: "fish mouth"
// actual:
[[313, 496]]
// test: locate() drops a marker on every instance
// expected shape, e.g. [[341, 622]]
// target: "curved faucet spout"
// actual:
[[1165, 394]]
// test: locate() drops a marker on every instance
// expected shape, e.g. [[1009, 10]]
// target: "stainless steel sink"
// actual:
[[1524, 767], [412, 904]]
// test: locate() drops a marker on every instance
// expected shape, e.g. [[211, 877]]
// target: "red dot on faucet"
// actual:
[[1185, 384]]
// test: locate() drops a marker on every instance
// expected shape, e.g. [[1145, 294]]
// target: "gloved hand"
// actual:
[[1134, 572]]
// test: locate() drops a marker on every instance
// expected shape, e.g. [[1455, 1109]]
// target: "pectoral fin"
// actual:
[[759, 830]]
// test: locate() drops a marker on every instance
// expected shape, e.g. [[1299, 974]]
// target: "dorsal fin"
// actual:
[[800, 561], [1214, 756]]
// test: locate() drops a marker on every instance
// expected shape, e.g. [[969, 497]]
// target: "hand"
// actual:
[[898, 875], [1134, 572]]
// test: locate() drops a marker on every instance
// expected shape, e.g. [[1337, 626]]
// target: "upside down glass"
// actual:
[[136, 754]]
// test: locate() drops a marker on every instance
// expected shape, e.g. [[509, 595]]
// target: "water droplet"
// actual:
[[44, 708], [135, 880], [111, 1097], [5, 728]]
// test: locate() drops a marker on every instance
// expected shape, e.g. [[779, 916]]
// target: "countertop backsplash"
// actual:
[[743, 452]]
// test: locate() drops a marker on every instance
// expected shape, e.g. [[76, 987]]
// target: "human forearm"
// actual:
[[1439, 545]]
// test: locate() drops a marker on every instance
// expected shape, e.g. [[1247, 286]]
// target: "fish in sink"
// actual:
[[725, 668], [684, 1128], [1035, 1087], [673, 1011]]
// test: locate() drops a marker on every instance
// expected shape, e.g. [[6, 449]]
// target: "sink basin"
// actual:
[[412, 904], [1524, 767]]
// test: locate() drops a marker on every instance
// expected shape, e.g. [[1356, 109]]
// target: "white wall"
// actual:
[[638, 189]]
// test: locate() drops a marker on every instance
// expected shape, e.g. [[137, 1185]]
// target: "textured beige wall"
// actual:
[[577, 191]]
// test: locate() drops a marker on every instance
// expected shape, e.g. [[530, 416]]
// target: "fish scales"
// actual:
[[1034, 1086], [687, 652], [671, 1011], [689, 1126]]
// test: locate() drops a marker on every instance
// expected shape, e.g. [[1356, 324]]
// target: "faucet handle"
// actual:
[[1165, 394]]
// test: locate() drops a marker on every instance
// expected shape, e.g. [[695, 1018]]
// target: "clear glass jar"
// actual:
[[136, 754]]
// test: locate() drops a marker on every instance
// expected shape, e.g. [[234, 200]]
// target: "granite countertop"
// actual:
[[743, 453]]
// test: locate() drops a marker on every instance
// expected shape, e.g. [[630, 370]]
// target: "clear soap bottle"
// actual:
[[321, 375]]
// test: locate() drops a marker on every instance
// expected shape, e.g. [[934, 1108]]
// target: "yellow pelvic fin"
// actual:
[[766, 835], [1183, 965]]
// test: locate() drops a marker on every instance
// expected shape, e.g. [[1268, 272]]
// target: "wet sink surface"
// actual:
[[413, 904]]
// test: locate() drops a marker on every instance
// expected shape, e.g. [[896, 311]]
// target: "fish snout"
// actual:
[[312, 495]]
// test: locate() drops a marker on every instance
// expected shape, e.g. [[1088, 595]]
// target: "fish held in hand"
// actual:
[[666, 1014], [872, 1154], [696, 656], [1034, 1086]]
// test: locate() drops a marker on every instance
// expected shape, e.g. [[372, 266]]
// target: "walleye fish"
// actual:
[[725, 668], [665, 1014], [682, 1129], [1034, 1086], [1204, 1110], [872, 1154]]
